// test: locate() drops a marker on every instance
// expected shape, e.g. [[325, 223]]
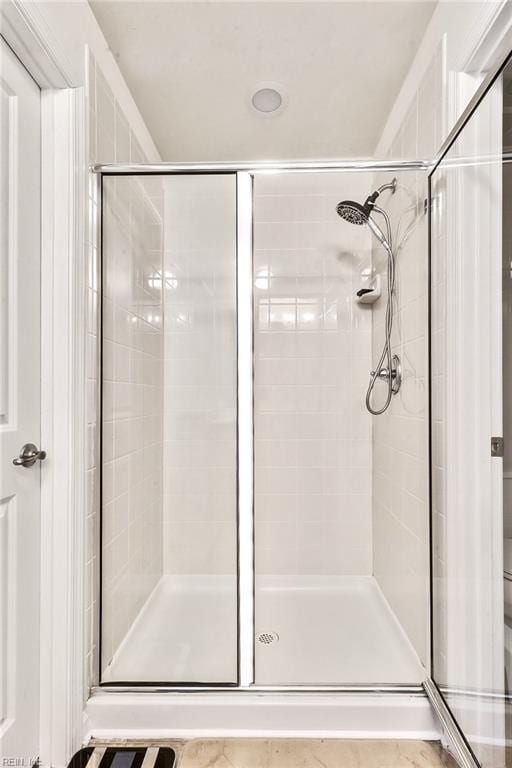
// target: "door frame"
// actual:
[[63, 316]]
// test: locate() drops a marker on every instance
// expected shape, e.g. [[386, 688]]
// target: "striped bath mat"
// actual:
[[124, 757]]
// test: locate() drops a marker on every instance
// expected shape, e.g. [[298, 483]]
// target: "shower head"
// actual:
[[353, 212]]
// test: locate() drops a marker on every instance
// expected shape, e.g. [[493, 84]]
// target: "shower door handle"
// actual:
[[29, 454]]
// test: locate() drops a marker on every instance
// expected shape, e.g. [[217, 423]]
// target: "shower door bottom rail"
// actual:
[[413, 690], [457, 741]]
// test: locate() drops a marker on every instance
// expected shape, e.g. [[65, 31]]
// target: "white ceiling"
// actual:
[[192, 68]]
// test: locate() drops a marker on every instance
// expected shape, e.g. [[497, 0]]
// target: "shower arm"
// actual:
[[389, 185]]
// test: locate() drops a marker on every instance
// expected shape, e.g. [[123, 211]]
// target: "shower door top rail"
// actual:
[[262, 167]]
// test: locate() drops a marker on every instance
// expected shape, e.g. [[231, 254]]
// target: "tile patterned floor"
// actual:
[[301, 753], [312, 753]]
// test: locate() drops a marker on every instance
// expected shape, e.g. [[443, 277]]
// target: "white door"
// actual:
[[20, 203]]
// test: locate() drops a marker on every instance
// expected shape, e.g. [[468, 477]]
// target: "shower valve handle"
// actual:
[[384, 373], [396, 374]]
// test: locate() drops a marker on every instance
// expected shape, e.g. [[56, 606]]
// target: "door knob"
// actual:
[[29, 454]]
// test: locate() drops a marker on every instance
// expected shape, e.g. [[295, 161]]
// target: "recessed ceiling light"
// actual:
[[267, 100]]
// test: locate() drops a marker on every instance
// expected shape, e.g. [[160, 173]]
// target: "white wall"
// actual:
[[463, 28], [311, 366], [70, 28]]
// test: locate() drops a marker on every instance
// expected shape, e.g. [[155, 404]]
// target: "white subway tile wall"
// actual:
[[312, 354], [132, 414], [400, 436], [109, 138], [200, 401]]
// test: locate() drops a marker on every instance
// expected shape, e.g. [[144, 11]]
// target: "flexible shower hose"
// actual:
[[386, 354]]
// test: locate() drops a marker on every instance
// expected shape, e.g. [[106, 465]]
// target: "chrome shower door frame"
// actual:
[[245, 175], [459, 740]]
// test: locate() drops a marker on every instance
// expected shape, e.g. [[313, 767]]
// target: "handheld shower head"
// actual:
[[354, 212], [357, 213]]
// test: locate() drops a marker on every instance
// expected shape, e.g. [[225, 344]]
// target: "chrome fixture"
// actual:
[[29, 454], [396, 374], [360, 214], [325, 166], [462, 752]]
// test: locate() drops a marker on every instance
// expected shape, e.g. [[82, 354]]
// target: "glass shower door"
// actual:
[[468, 235], [169, 430]]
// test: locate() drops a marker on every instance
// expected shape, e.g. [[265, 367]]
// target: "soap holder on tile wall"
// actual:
[[369, 290]]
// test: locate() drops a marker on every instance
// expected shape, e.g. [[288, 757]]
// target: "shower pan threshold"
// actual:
[[310, 630]]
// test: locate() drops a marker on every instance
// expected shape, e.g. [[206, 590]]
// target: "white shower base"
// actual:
[[185, 633], [331, 631]]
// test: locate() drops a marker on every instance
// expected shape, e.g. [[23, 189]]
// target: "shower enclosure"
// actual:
[[260, 529], [239, 546]]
